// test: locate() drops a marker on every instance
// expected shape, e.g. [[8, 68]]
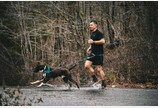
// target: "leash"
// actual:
[[47, 70]]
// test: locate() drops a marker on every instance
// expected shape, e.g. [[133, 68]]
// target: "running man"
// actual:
[[95, 52]]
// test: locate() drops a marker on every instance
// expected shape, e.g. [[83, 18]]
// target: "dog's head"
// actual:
[[39, 68]]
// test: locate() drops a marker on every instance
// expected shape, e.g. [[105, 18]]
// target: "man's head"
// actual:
[[93, 25]]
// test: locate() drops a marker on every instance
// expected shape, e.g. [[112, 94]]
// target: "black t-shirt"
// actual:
[[97, 48]]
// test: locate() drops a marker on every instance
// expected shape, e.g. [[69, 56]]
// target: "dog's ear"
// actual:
[[38, 63], [41, 63], [36, 70]]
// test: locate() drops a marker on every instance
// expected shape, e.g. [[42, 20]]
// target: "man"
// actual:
[[95, 52]]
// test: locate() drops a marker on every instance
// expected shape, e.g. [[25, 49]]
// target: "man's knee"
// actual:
[[99, 68], [87, 64]]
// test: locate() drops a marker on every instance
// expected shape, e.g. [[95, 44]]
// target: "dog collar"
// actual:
[[46, 71]]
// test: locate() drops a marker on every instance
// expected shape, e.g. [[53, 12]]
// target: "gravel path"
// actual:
[[92, 96]]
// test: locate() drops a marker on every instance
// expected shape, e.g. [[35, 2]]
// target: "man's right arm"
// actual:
[[89, 50]]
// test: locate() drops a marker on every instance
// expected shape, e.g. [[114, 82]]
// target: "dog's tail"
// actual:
[[72, 66]]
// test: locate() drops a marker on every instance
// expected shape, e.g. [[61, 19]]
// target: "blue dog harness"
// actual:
[[46, 71]]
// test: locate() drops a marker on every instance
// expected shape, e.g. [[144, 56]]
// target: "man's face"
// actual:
[[93, 26]]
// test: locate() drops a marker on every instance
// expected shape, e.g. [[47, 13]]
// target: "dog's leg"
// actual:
[[41, 84], [50, 85], [70, 85], [66, 80], [73, 81], [38, 81]]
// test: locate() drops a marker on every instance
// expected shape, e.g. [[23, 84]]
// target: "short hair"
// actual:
[[94, 21]]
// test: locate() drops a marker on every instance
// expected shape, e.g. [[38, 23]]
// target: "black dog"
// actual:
[[49, 73]]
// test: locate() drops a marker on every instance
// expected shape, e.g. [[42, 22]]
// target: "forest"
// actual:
[[56, 33]]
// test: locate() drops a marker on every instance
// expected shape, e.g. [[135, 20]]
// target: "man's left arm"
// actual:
[[101, 41]]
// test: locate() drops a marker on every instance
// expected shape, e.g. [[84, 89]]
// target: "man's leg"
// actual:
[[88, 65], [102, 75]]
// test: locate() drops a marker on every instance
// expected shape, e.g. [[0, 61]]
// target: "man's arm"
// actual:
[[101, 41], [89, 49]]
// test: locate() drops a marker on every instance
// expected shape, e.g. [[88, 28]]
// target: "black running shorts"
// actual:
[[95, 59]]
